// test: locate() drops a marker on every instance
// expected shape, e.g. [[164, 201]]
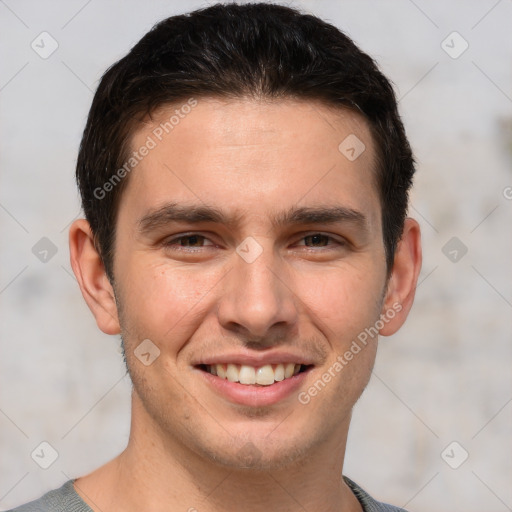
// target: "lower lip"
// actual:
[[255, 396]]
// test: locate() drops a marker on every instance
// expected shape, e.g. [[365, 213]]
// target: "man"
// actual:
[[244, 176]]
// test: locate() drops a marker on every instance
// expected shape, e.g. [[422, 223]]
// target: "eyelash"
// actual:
[[173, 243]]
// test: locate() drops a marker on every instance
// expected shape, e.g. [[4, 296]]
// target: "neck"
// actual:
[[159, 473]]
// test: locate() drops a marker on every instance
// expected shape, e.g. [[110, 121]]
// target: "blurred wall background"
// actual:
[[432, 431]]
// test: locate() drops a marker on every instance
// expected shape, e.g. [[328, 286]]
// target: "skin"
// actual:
[[198, 297]]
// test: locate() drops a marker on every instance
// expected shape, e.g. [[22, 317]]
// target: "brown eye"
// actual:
[[321, 240], [192, 241], [317, 240]]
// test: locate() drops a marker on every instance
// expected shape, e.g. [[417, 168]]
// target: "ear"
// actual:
[[403, 280], [92, 278]]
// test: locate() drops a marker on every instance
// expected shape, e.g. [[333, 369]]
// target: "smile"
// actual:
[[265, 375], [255, 386]]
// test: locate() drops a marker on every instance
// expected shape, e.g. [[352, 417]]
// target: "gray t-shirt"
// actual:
[[66, 499]]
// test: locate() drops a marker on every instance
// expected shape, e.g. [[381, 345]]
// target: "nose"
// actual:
[[257, 302]]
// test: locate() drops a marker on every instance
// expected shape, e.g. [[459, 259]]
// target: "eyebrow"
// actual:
[[196, 214]]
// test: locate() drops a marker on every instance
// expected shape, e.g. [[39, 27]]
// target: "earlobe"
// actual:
[[404, 278], [90, 273]]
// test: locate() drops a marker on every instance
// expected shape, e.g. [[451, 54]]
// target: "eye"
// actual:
[[320, 240], [192, 241]]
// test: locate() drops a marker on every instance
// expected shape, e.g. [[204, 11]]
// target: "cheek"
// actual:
[[344, 300], [158, 299]]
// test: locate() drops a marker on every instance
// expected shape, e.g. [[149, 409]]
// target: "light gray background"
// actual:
[[445, 377]]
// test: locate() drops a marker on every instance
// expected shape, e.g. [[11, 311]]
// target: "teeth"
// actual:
[[264, 375], [221, 370], [232, 373], [289, 370], [279, 373], [247, 375]]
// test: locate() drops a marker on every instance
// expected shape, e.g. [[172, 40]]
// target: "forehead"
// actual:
[[250, 156]]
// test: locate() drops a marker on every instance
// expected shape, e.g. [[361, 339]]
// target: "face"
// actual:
[[247, 237]]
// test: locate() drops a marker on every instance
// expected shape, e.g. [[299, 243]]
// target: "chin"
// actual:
[[258, 453]]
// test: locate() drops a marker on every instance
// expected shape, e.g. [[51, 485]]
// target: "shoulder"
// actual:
[[367, 502], [64, 499]]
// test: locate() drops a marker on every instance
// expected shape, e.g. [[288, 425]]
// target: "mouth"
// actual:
[[255, 381], [266, 375]]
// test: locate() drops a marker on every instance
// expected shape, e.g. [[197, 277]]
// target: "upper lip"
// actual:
[[256, 360]]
